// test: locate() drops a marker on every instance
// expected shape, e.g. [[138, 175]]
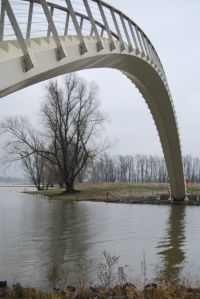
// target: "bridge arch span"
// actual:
[[41, 62]]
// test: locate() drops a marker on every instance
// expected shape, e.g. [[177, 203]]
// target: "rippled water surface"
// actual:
[[36, 233]]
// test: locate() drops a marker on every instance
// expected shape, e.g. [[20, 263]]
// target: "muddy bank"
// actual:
[[163, 199]]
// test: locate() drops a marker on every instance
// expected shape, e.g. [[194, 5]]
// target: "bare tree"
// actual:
[[34, 167], [71, 118], [138, 168], [22, 145]]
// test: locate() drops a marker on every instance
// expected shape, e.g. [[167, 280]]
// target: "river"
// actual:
[[36, 233]]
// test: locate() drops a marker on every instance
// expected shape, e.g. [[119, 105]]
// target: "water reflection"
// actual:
[[171, 245], [65, 240], [36, 234]]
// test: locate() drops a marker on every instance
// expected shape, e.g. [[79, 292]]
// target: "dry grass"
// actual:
[[117, 192], [107, 191], [128, 291]]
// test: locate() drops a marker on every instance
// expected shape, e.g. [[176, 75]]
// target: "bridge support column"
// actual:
[[112, 44], [2, 20], [28, 61], [94, 28], [83, 48], [60, 52]]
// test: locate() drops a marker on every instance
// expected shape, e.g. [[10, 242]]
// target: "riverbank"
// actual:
[[84, 291], [143, 193]]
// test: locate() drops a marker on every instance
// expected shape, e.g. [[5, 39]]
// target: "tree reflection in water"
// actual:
[[65, 243], [171, 245]]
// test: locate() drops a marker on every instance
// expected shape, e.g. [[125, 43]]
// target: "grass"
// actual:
[[119, 192], [126, 291], [106, 191]]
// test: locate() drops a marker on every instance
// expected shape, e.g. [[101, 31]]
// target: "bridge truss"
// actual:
[[40, 40]]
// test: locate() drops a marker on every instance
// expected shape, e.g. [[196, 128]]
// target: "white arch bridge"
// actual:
[[40, 40]]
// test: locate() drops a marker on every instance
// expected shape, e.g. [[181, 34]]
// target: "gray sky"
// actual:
[[173, 28]]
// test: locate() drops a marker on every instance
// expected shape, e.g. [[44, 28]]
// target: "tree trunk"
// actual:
[[69, 186]]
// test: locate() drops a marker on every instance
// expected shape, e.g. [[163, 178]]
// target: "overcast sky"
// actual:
[[173, 28]]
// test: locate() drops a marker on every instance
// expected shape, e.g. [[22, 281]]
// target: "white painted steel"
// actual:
[[137, 59]]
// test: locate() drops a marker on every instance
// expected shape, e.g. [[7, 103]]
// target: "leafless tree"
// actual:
[[21, 146], [127, 168], [71, 121], [34, 167]]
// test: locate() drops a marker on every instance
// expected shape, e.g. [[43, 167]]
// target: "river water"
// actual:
[[36, 233]]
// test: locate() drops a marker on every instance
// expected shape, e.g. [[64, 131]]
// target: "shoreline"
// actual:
[[149, 201], [87, 291], [154, 194], [136, 201]]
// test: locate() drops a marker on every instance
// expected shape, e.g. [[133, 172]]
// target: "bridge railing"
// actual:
[[38, 18]]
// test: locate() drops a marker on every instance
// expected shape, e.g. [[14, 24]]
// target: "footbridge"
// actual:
[[40, 40]]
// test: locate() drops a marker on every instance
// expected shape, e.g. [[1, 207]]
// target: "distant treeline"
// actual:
[[137, 168]]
